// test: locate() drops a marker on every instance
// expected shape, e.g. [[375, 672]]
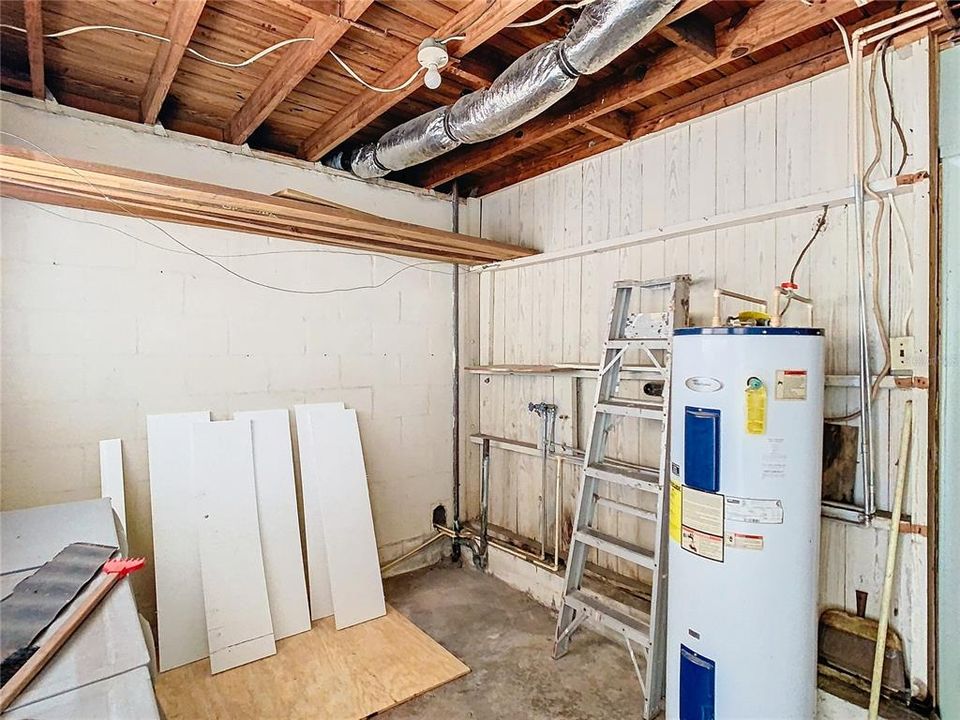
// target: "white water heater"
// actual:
[[746, 443]]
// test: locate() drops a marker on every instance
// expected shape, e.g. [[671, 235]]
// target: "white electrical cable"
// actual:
[[846, 39], [558, 9], [254, 253], [221, 63], [367, 85], [208, 258]]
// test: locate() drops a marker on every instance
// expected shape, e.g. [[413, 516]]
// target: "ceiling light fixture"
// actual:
[[432, 55]]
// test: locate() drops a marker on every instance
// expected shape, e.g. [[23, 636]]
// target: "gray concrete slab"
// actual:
[[506, 639]]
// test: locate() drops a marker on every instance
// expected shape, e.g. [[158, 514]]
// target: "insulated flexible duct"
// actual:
[[533, 83]]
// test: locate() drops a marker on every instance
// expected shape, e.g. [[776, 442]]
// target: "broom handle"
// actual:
[[16, 684], [905, 435]]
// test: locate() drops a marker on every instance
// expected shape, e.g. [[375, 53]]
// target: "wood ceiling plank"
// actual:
[[33, 22], [694, 34], [184, 15], [483, 18], [763, 26], [295, 64]]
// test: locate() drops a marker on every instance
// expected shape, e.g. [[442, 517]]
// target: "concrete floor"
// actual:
[[506, 639]]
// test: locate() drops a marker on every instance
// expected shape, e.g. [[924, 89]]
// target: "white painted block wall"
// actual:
[[99, 330]]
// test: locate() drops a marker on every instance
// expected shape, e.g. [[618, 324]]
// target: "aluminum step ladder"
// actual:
[[650, 333]]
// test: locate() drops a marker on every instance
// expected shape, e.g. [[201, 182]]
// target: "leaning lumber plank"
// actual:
[[237, 609], [30, 175], [181, 625]]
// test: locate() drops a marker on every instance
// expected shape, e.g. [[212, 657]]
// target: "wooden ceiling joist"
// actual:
[[184, 15], [764, 26], [33, 23], [34, 176], [481, 19], [694, 34], [295, 64]]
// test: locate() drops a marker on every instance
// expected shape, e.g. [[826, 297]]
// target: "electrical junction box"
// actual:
[[901, 356]]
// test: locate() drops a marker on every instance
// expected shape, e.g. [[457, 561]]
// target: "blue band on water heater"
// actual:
[[701, 448], [697, 686]]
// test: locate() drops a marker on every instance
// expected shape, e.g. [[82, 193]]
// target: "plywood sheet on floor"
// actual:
[[324, 673]]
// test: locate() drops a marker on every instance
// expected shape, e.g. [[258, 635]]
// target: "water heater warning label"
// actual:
[[701, 519]]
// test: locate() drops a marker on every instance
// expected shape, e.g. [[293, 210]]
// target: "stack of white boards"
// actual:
[[228, 559]]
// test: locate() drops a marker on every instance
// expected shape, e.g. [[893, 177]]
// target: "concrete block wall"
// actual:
[[101, 329]]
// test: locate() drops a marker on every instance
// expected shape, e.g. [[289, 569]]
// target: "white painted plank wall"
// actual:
[[772, 148]]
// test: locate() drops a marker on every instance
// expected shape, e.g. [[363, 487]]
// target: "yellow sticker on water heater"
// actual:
[[676, 508], [756, 401]]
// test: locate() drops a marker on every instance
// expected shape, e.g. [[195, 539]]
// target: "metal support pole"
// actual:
[[455, 226]]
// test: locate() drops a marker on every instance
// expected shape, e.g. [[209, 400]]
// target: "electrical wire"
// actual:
[[255, 253], [558, 9], [818, 228], [222, 63], [893, 115], [208, 258], [875, 233], [349, 70]]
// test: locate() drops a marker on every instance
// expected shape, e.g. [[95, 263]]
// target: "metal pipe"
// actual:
[[547, 413], [484, 503], [422, 546], [455, 227], [858, 42]]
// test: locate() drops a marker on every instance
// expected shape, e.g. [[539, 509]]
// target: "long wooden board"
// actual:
[[325, 673], [279, 524], [181, 626], [239, 628], [352, 560], [318, 573], [39, 177]]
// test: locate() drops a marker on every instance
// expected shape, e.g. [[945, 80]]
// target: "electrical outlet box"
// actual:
[[901, 356]]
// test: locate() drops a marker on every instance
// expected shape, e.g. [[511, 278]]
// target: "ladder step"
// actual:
[[650, 409], [633, 628], [620, 507], [653, 343], [614, 546], [645, 479]]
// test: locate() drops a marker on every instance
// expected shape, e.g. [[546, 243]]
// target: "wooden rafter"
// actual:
[[34, 176], [695, 34], [295, 64], [33, 22], [949, 15], [483, 18], [184, 15], [766, 25]]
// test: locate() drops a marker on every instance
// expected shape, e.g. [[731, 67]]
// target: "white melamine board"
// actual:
[[181, 626], [353, 562], [279, 524], [111, 477], [239, 628], [318, 576]]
